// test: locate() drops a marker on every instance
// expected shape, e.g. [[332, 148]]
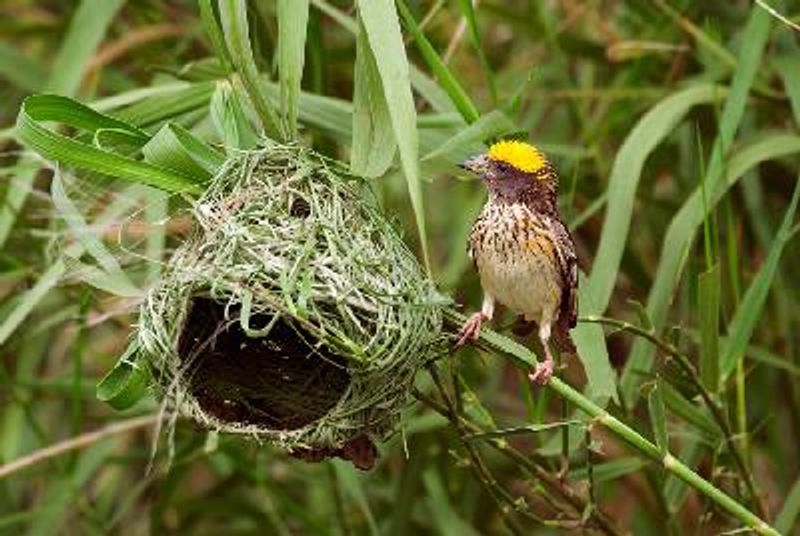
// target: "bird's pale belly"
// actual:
[[523, 282]]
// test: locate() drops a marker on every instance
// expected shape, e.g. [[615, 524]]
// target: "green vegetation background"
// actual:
[[674, 126]]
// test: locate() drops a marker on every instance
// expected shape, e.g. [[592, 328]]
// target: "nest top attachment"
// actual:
[[294, 313]]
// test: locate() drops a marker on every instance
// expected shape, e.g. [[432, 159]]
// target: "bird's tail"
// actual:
[[562, 340]]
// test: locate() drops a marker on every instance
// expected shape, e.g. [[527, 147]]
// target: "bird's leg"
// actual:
[[544, 369], [472, 327]]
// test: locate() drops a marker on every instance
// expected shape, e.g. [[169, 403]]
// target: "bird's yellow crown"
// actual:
[[523, 156]]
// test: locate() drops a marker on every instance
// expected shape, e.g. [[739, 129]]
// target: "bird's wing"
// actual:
[[568, 268]]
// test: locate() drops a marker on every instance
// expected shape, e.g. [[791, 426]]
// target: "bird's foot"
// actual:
[[543, 372], [471, 329]]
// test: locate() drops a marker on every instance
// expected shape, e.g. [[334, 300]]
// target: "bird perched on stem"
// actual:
[[523, 251]]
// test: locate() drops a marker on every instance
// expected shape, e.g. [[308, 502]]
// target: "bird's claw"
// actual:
[[543, 372], [470, 330]]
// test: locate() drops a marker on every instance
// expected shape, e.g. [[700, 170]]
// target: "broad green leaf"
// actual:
[[382, 27], [373, 147], [68, 151], [678, 240], [708, 291], [750, 311], [173, 147], [233, 14], [292, 25]]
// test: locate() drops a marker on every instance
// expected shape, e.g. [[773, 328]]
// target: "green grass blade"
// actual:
[[469, 140], [658, 417], [214, 33], [52, 276], [292, 25], [447, 521], [86, 236], [648, 133], [440, 70], [233, 14], [62, 494], [351, 483], [167, 103], [789, 69], [422, 83], [86, 29], [468, 10], [608, 471], [24, 173], [708, 291], [382, 27], [21, 70], [592, 350], [750, 311], [373, 146], [71, 152], [791, 509], [674, 253], [46, 282], [678, 238], [229, 119]]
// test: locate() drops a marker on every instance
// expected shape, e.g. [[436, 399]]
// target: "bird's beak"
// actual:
[[475, 164]]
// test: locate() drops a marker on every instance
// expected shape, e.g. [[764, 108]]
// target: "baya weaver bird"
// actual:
[[522, 250]]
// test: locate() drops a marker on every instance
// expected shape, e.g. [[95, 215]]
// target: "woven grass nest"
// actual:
[[294, 314]]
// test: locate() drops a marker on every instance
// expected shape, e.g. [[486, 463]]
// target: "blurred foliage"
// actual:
[[676, 140]]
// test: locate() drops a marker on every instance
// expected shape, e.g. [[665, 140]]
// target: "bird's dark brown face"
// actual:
[[498, 175], [512, 170], [515, 171]]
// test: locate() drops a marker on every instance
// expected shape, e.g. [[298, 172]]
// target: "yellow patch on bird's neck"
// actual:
[[523, 156]]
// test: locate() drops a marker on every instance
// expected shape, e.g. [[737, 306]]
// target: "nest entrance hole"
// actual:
[[278, 382]]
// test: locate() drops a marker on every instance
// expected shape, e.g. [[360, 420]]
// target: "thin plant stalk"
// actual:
[[529, 464], [670, 463], [716, 411]]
